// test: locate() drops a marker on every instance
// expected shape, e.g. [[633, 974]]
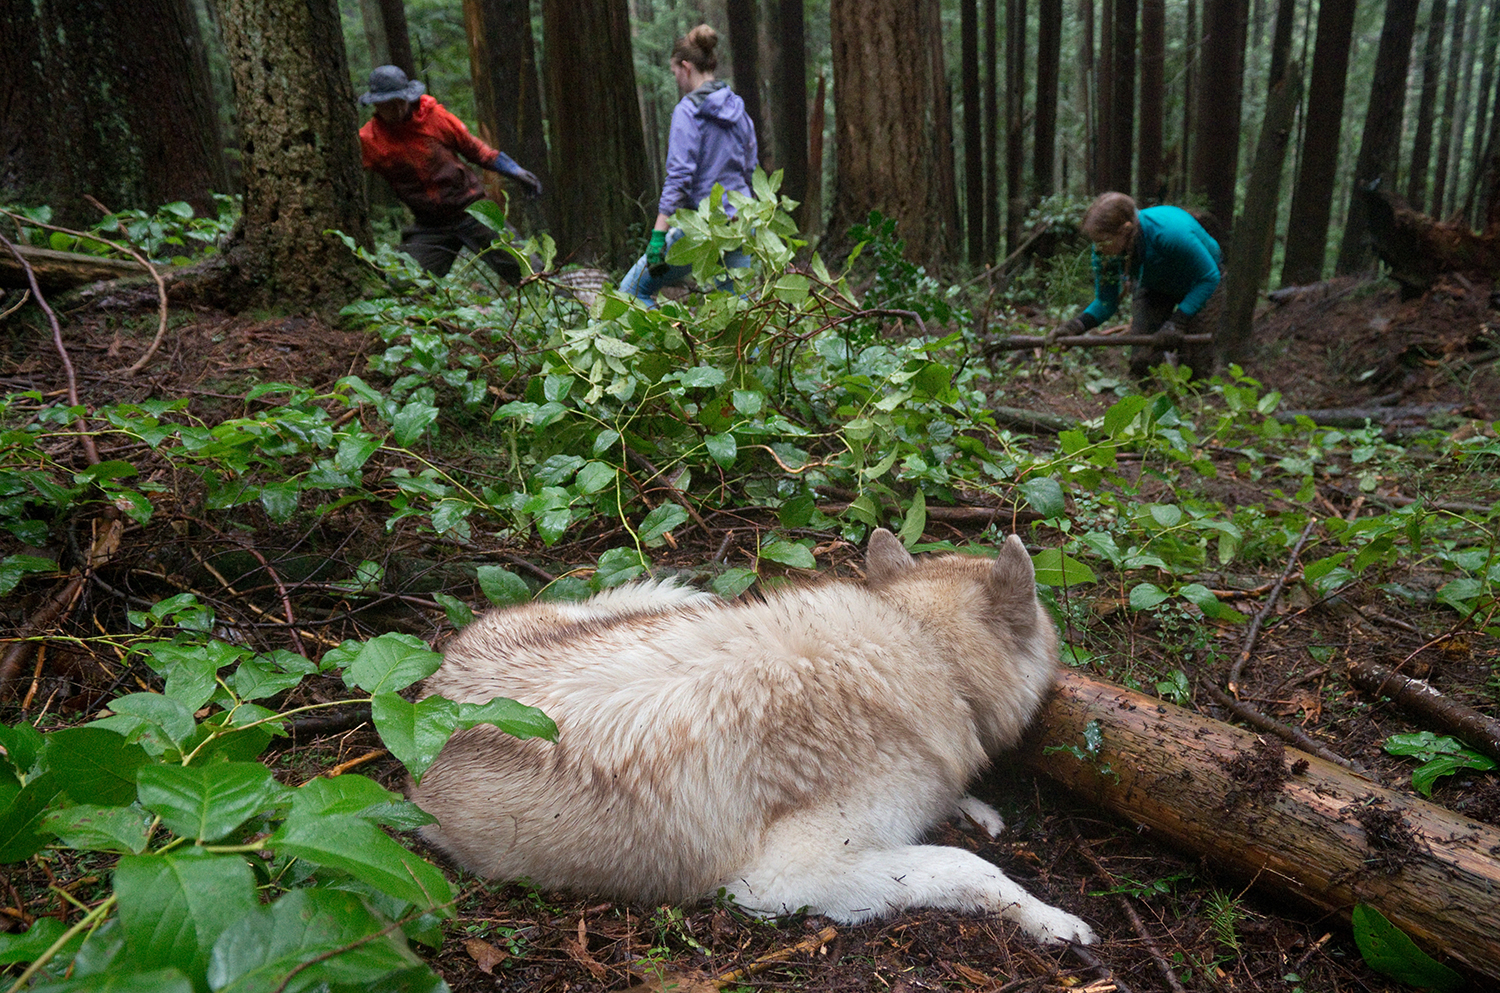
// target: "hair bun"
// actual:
[[704, 38]]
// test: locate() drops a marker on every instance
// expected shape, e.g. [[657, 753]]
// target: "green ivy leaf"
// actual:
[[173, 907], [620, 565], [661, 520], [152, 717], [915, 521], [121, 979], [722, 448], [1045, 496], [502, 587], [789, 553], [308, 939], [459, 614], [101, 829], [1055, 568], [95, 765], [21, 819], [732, 582], [411, 420], [14, 568], [1144, 596], [31, 943], [207, 802], [1388, 951], [354, 845], [391, 662]]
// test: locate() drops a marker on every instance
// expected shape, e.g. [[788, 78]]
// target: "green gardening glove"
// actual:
[[656, 252]]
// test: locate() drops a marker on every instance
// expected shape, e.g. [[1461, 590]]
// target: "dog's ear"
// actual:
[[1012, 580], [886, 558]]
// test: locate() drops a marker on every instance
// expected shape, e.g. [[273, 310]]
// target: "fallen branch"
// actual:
[[1260, 618], [806, 946], [1417, 696], [1281, 818], [57, 271], [1018, 342], [1356, 417]]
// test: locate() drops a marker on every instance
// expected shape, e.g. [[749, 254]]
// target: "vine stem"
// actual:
[[89, 920]]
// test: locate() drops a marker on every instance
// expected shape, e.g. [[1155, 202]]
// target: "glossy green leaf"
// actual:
[[356, 846], [95, 765], [102, 829], [1388, 951], [502, 587], [207, 802], [1054, 568], [173, 907], [391, 662]]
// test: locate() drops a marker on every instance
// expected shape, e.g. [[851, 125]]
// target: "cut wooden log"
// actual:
[[62, 270], [1286, 820], [1418, 249]]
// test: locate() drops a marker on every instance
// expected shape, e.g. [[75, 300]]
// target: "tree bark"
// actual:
[[1482, 100], [1458, 68], [507, 98], [1284, 819], [1381, 138], [1421, 144], [1312, 197], [299, 153], [1016, 56], [1417, 248], [791, 103], [744, 47], [973, 130], [1104, 99], [893, 138], [1048, 65], [991, 132], [107, 100], [1417, 696], [1151, 180], [1122, 113], [1256, 227], [598, 151], [1216, 144], [397, 36]]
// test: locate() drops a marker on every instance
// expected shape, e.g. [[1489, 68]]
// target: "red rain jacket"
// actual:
[[420, 159]]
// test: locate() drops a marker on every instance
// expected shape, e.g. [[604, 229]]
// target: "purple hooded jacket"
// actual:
[[712, 141]]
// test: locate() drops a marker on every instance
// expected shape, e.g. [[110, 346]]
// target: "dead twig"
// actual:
[[25, 295], [807, 946], [90, 452], [1254, 632], [671, 489], [1296, 736], [1162, 965]]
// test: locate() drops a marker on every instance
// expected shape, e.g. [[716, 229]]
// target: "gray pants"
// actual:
[[436, 246], [1148, 311]]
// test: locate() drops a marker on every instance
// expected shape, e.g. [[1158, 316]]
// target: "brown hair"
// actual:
[[1108, 216], [697, 48]]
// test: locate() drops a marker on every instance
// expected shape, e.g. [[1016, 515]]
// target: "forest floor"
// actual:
[[1431, 360]]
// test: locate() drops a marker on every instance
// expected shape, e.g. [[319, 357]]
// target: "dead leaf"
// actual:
[[969, 974], [578, 951], [485, 955], [671, 981]]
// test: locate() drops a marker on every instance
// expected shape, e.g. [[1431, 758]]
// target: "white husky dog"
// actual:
[[791, 751]]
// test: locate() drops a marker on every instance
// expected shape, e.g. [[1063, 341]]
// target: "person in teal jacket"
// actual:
[[1173, 269]]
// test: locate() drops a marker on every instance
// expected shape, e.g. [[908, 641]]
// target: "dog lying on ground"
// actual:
[[790, 751]]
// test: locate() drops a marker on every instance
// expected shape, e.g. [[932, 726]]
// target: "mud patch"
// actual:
[[1392, 844], [1259, 772]]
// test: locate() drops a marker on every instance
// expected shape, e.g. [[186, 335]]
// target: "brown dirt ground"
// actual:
[[1336, 345]]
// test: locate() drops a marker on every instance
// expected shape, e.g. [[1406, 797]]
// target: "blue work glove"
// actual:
[[506, 166], [656, 253]]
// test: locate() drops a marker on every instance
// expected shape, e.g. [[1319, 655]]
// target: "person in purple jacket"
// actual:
[[712, 141]]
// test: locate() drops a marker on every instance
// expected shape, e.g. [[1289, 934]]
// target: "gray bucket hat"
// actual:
[[390, 83]]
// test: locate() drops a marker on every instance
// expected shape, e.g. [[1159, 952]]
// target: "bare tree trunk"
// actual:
[[1104, 102], [507, 97], [1312, 198], [1256, 227], [107, 100], [1049, 63], [1482, 101], [1381, 137], [1122, 114], [598, 152], [894, 142], [791, 103], [1151, 179], [1016, 56], [991, 132], [812, 205], [1421, 145], [973, 130], [744, 46], [1286, 820], [300, 153], [397, 37], [1458, 67], [1216, 149], [1189, 94], [1086, 91]]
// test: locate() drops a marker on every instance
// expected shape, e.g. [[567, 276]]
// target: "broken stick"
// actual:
[[1286, 819], [1417, 696]]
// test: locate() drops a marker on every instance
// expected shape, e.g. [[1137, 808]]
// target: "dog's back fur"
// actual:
[[791, 750]]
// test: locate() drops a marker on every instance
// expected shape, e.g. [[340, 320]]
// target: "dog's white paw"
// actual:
[[972, 810], [1052, 926]]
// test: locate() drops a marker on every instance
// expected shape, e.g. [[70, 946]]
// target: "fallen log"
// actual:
[[1417, 696], [1284, 819], [62, 270]]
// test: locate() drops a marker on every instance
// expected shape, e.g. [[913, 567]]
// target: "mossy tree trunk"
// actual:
[[300, 154], [106, 100]]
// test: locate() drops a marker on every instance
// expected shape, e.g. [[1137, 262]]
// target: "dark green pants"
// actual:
[[436, 246]]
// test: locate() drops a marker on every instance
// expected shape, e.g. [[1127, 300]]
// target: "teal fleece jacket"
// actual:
[[1172, 256]]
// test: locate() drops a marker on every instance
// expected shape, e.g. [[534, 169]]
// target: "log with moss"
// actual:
[[62, 270], [1289, 821]]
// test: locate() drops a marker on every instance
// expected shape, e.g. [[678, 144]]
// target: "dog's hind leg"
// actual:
[[972, 810], [853, 886]]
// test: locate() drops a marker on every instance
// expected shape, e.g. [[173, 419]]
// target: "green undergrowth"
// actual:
[[493, 422]]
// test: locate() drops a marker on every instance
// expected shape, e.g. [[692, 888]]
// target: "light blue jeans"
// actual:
[[639, 282]]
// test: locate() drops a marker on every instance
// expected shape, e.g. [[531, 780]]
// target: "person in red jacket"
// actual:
[[419, 147]]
